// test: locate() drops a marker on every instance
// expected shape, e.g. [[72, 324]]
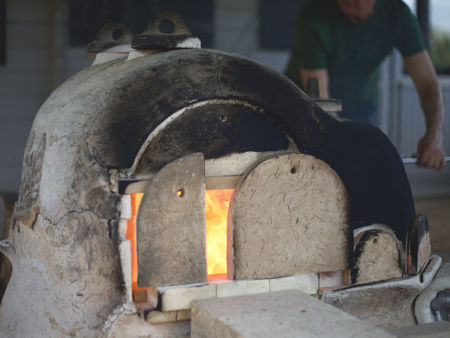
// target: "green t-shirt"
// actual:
[[352, 53]]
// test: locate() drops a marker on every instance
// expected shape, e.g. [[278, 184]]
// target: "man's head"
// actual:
[[357, 10]]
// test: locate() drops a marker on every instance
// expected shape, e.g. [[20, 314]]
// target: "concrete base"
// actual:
[[435, 330], [279, 314], [387, 304], [131, 325]]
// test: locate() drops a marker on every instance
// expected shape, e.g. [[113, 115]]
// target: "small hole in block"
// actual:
[[293, 170], [116, 34], [180, 193], [166, 27]]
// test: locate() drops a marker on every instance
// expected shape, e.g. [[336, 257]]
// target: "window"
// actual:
[[86, 18], [439, 32], [277, 23], [2, 32]]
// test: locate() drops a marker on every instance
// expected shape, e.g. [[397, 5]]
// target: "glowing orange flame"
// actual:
[[131, 236], [217, 202]]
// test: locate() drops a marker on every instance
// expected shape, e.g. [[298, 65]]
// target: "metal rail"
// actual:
[[414, 160]]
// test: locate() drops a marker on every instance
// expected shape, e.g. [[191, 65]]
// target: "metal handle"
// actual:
[[414, 159]]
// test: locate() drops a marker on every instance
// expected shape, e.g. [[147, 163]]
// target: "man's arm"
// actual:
[[430, 152], [322, 78]]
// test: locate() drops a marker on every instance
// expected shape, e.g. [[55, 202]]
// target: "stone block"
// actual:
[[430, 330], [157, 317], [377, 257], [419, 245], [279, 314], [308, 283], [122, 229], [179, 298], [132, 325], [125, 207], [125, 260], [234, 164], [240, 288], [171, 225], [183, 315], [333, 280], [289, 215]]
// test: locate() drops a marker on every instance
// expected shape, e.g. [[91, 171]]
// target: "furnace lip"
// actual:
[[96, 126], [237, 169]]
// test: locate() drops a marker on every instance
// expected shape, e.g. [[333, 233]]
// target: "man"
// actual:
[[343, 42]]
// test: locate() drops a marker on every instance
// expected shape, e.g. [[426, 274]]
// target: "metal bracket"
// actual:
[[110, 35], [167, 31], [327, 105]]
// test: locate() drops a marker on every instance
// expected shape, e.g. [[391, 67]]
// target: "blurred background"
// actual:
[[43, 42]]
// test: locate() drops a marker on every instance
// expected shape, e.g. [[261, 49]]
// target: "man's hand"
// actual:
[[430, 153]]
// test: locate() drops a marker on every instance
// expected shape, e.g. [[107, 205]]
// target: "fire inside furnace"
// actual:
[[131, 236], [217, 203]]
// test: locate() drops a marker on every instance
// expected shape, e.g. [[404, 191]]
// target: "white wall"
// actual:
[[401, 118], [411, 127], [37, 60], [24, 83], [237, 29], [236, 26]]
